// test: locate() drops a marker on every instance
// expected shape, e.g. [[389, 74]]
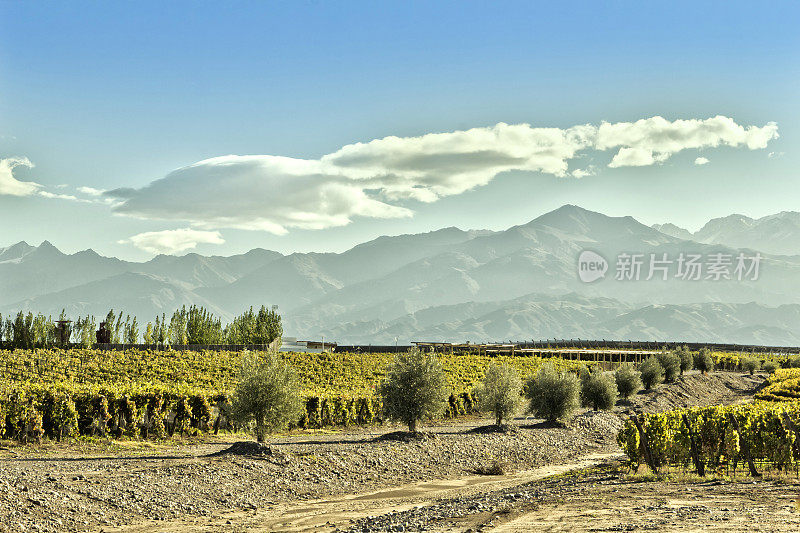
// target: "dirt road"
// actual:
[[329, 514]]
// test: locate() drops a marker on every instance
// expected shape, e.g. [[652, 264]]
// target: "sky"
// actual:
[[143, 128]]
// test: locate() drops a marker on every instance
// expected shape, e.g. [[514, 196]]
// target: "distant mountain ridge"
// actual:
[[773, 234], [449, 284]]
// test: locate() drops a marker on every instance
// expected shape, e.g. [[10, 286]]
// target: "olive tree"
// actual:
[[267, 394], [686, 357], [629, 380], [500, 392], [652, 372], [553, 395], [704, 362], [750, 364], [599, 391], [415, 388], [671, 363]]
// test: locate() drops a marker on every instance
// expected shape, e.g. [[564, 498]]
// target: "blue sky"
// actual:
[[118, 95]]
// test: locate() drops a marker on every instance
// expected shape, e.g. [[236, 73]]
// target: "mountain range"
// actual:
[[774, 234], [455, 285]]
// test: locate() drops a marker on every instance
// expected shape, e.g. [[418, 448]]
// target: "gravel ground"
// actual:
[[606, 499], [63, 488]]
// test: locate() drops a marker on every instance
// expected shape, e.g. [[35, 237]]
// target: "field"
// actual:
[[783, 386], [128, 441], [66, 393]]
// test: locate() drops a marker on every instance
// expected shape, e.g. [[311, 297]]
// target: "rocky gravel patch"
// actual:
[[605, 498]]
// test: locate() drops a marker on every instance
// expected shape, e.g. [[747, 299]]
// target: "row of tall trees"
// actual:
[[193, 325]]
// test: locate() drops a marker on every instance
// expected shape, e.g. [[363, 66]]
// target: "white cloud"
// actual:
[[701, 161], [442, 164], [632, 157], [91, 191], [46, 194], [656, 139], [267, 193], [583, 172], [173, 241], [10, 185], [371, 180]]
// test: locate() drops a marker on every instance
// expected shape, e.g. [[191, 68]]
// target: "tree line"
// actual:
[[192, 325]]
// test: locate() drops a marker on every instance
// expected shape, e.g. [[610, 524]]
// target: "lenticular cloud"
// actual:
[[273, 193]]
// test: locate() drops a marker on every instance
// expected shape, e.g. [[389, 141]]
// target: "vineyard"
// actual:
[[719, 438], [733, 360], [138, 393], [762, 434], [782, 386]]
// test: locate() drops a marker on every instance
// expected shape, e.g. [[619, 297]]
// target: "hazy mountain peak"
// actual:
[[673, 231], [776, 234], [46, 249], [15, 252], [787, 216], [87, 253], [590, 225]]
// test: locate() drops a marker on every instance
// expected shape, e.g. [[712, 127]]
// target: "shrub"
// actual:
[[703, 361], [686, 357], [415, 388], [770, 366], [629, 380], [497, 467], [794, 362], [29, 424], [64, 419], [553, 395], [584, 373], [500, 392], [671, 363], [652, 372], [750, 364], [599, 391], [266, 394]]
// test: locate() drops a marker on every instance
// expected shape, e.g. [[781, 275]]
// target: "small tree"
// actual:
[[132, 331], [161, 333], [599, 391], [704, 362], [110, 324], [553, 395], [148, 334], [750, 364], [415, 388], [671, 363], [652, 372], [687, 360], [629, 380], [176, 331], [770, 366], [267, 393], [500, 392], [88, 331]]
